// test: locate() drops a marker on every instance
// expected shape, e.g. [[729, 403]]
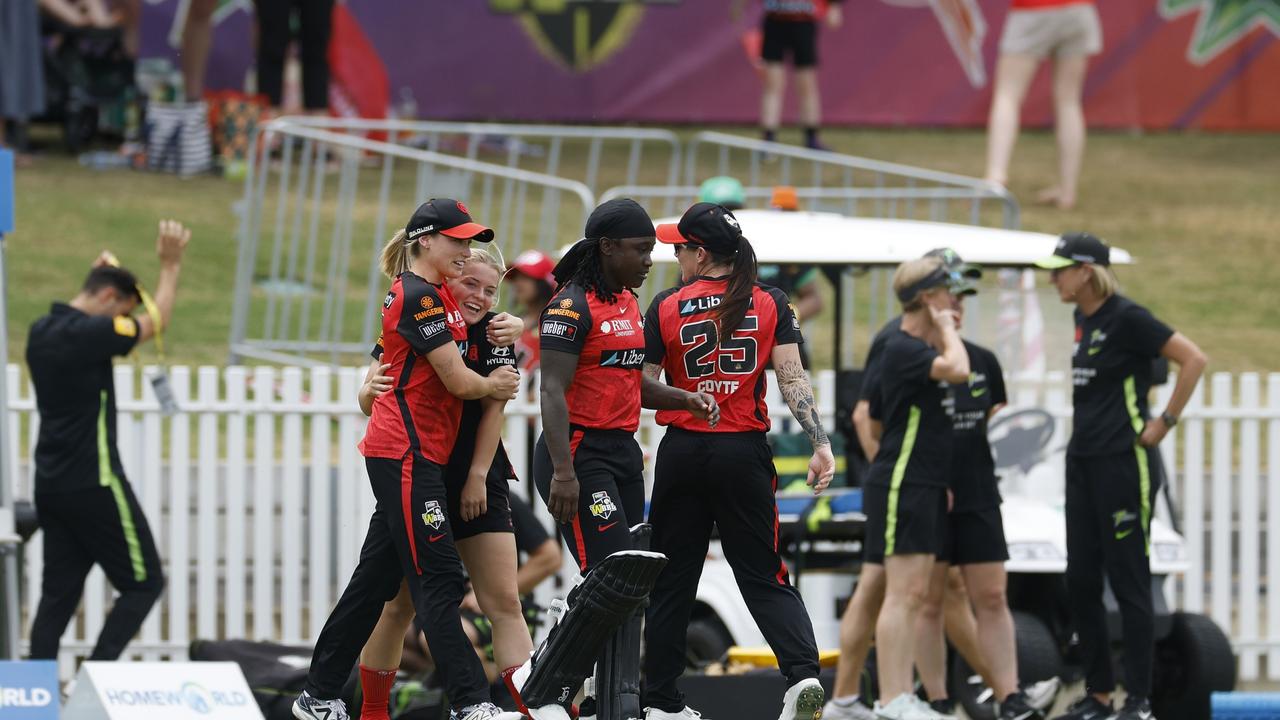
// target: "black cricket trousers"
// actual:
[[725, 480], [102, 525], [610, 469], [409, 537], [1108, 507], [315, 23]]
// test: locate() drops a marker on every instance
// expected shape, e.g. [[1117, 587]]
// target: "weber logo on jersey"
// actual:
[[630, 359], [431, 329], [554, 328]]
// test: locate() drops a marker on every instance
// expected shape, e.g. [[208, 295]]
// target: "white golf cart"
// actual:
[[823, 538]]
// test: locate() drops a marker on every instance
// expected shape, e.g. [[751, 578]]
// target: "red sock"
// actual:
[[507, 680], [375, 687]]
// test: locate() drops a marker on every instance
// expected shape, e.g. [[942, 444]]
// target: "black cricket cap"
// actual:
[[1077, 247], [447, 217], [953, 263], [706, 225], [615, 219]]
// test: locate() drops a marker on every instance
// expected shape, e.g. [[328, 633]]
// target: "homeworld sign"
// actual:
[[29, 690]]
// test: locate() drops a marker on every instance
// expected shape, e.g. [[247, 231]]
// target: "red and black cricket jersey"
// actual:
[[608, 338], [681, 335], [420, 413]]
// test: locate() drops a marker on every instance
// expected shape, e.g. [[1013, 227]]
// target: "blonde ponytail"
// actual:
[[397, 254]]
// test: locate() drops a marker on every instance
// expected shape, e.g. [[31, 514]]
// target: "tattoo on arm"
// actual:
[[793, 381], [653, 370]]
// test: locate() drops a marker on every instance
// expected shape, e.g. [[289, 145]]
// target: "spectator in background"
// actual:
[[315, 20], [791, 28], [21, 70], [534, 285], [1069, 31], [197, 40]]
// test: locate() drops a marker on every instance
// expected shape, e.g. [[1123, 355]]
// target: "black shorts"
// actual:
[[973, 537], [610, 469], [907, 522], [797, 37], [497, 514]]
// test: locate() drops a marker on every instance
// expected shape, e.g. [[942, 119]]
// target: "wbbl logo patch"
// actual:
[[434, 516], [602, 505]]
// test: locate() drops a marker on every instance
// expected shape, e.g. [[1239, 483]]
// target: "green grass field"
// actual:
[[1199, 211]]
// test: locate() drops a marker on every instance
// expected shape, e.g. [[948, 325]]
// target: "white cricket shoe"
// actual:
[[803, 701], [485, 711], [687, 713], [907, 707], [310, 708]]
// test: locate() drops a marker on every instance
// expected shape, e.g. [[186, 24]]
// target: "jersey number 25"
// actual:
[[735, 356]]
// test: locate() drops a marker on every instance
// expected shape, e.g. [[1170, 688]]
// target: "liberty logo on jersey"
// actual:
[[706, 303], [630, 359], [434, 516]]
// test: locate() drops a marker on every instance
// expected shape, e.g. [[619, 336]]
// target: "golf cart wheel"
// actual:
[[706, 641], [1194, 661], [1038, 659]]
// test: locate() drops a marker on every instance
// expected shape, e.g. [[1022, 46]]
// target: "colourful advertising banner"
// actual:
[[1166, 64]]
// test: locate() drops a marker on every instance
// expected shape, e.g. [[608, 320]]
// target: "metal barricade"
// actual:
[[885, 189], [311, 232], [597, 156]]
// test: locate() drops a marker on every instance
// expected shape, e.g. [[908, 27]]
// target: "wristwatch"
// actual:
[[1168, 418]]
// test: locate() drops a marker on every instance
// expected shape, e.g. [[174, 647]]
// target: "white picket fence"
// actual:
[[257, 544]]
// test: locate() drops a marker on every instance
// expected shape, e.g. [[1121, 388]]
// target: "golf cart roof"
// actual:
[[834, 239]]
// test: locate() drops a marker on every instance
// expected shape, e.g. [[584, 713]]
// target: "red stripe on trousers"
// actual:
[[406, 505], [574, 440], [782, 564]]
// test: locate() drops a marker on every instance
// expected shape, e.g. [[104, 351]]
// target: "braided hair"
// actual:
[[589, 271]]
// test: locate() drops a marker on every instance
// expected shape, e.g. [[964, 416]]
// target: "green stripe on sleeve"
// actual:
[[107, 478], [899, 471]]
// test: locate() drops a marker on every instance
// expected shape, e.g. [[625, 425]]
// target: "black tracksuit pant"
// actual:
[[1108, 507], [315, 23], [102, 525], [409, 537], [725, 480]]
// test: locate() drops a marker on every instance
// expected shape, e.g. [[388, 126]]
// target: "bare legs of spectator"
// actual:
[[931, 643], [987, 583], [1013, 77], [197, 39], [775, 85], [906, 585], [857, 629], [1069, 127]]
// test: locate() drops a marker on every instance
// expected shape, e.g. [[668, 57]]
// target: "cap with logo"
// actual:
[[616, 219], [962, 273], [447, 217], [723, 190], [705, 225], [535, 264], [1074, 248]]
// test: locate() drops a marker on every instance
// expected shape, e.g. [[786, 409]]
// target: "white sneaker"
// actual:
[[803, 701], [850, 709], [1041, 695], [687, 713], [484, 711], [907, 707], [310, 708]]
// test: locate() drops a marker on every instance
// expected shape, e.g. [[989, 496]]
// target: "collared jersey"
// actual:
[[1111, 372], [69, 354], [608, 338], [915, 447], [682, 335], [420, 413], [482, 357], [973, 469]]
